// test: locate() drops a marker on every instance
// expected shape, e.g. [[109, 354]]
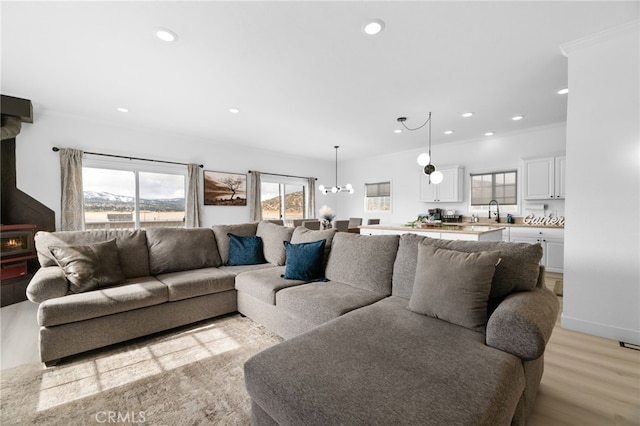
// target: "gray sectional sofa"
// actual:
[[376, 340], [171, 277]]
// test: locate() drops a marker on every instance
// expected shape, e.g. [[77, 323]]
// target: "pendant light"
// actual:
[[337, 188], [424, 159]]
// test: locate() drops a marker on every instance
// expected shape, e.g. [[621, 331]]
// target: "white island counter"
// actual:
[[466, 232]]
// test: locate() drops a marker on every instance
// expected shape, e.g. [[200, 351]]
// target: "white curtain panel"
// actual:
[[72, 217], [311, 206], [192, 211], [255, 208]]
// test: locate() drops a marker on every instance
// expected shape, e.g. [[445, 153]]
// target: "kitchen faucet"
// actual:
[[497, 212]]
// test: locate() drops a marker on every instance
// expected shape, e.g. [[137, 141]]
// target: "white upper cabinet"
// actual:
[[543, 178], [448, 191]]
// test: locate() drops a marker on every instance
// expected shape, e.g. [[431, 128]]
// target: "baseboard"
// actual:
[[602, 330]]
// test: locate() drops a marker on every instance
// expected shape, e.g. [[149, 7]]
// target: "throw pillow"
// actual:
[[305, 261], [245, 250], [89, 267], [305, 235], [272, 237], [453, 286]]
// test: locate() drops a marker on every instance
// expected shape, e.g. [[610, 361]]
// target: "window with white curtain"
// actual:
[[132, 195], [377, 197], [283, 197]]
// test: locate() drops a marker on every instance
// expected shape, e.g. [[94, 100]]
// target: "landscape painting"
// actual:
[[225, 189]]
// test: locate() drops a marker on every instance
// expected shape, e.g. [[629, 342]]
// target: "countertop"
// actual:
[[459, 228]]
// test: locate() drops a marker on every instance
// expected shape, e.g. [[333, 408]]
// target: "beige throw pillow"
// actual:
[[89, 267], [453, 286]]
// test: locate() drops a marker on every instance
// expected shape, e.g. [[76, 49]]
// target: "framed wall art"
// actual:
[[225, 189]]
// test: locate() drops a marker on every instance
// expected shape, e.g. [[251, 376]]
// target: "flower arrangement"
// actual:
[[327, 214]]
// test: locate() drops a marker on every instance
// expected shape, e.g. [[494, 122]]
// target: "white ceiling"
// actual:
[[303, 74]]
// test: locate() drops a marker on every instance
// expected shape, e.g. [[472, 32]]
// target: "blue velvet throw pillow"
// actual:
[[245, 250], [305, 261]]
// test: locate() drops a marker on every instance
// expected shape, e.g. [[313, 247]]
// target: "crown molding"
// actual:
[[599, 37]]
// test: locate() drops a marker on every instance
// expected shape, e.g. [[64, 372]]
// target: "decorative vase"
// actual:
[[326, 224]]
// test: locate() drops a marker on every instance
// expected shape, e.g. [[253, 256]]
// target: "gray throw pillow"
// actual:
[[273, 236], [518, 269], [453, 286], [89, 267]]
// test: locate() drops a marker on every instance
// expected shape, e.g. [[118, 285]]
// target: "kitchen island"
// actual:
[[468, 232]]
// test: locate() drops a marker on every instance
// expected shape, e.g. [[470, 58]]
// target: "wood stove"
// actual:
[[16, 248]]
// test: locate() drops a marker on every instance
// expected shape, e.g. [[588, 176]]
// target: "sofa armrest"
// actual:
[[47, 283], [522, 324]]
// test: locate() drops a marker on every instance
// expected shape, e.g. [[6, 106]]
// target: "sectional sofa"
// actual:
[[390, 329]]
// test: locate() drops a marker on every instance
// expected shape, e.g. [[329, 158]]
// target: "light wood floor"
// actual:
[[588, 380]]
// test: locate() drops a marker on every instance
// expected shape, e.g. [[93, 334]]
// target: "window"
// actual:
[[130, 196], [499, 186], [377, 197], [283, 198]]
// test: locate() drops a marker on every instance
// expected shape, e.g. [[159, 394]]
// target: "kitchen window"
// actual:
[[132, 196], [377, 197], [499, 186]]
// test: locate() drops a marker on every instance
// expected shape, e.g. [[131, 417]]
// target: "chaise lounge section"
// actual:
[[384, 363]]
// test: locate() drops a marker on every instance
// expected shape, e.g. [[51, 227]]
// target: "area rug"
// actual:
[[189, 376]]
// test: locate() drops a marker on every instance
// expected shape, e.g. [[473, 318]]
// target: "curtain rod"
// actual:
[[278, 174], [56, 149]]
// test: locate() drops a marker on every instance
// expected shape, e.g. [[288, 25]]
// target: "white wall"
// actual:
[[495, 153], [602, 235], [38, 169]]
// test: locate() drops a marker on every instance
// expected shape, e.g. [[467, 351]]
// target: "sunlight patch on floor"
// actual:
[[85, 378]]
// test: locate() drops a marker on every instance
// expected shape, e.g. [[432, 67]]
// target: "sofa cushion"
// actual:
[[518, 269], [197, 282], [265, 283], [181, 249], [222, 240], [383, 364], [364, 261], [132, 247], [305, 261], [320, 302], [302, 234], [88, 267], [134, 253], [245, 250], [134, 294], [454, 286], [519, 265], [237, 270], [273, 236], [404, 267]]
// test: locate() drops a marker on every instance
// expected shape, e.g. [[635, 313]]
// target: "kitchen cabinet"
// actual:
[[544, 178], [448, 191], [551, 239]]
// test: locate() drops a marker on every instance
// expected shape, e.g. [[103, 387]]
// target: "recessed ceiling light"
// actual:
[[397, 131], [563, 91], [121, 109], [448, 132], [489, 134], [467, 114], [234, 110], [165, 34], [517, 117], [373, 27]]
